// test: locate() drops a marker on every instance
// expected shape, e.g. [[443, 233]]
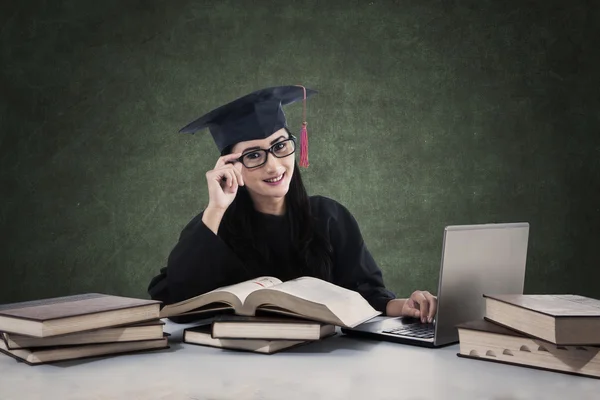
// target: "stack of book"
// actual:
[[79, 326], [265, 334], [558, 333], [266, 315]]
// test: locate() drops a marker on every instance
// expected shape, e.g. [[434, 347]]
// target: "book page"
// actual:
[[233, 295], [243, 289], [316, 290], [347, 305]]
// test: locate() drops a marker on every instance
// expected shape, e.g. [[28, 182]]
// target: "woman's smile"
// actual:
[[275, 180]]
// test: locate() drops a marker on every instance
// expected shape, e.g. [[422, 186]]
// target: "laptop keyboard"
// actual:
[[418, 330]]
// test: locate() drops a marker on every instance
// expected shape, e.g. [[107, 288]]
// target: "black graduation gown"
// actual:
[[202, 261]]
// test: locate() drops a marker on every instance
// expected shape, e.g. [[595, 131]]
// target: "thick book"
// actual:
[[201, 335], [306, 297], [47, 355], [560, 319], [269, 328], [69, 314], [487, 341], [130, 333]]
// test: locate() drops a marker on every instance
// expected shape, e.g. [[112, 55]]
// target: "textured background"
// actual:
[[430, 113]]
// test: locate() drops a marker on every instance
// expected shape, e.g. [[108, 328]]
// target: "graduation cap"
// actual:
[[254, 116]]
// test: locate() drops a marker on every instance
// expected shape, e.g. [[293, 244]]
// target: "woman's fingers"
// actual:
[[415, 313], [222, 161], [432, 306], [238, 174], [228, 175], [233, 182], [423, 306], [426, 303], [230, 178], [223, 181]]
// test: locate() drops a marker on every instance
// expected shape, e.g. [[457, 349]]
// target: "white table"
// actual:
[[336, 368]]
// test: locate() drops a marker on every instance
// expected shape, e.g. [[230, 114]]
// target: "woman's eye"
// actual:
[[252, 156], [279, 146]]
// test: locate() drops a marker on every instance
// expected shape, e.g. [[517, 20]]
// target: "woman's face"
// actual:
[[272, 179]]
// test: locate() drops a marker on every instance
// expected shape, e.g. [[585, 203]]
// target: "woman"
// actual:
[[260, 221]]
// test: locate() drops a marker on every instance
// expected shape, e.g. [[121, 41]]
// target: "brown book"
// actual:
[[65, 353], [487, 341], [129, 333], [269, 328], [559, 319], [77, 313], [201, 335], [305, 297]]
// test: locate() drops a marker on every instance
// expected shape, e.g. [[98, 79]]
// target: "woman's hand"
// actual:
[[420, 304], [223, 182]]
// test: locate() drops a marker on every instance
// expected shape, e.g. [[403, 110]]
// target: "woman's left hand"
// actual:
[[421, 304]]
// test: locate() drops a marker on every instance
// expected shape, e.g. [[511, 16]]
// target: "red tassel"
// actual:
[[304, 146], [303, 134]]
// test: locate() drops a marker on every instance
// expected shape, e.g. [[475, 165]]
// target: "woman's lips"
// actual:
[[275, 181]]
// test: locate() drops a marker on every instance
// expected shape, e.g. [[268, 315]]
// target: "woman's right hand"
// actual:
[[223, 182]]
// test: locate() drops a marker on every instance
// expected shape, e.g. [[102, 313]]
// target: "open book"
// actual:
[[305, 297]]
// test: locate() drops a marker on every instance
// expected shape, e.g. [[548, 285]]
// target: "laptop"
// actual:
[[476, 259]]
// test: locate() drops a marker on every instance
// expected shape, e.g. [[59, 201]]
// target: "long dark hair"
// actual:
[[311, 250]]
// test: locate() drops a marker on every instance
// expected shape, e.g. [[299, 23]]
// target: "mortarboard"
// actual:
[[254, 116]]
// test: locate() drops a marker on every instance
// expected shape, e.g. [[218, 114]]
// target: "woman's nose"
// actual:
[[272, 162]]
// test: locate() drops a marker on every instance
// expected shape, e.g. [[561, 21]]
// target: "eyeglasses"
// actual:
[[257, 158]]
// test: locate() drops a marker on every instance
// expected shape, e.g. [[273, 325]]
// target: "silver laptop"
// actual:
[[476, 259]]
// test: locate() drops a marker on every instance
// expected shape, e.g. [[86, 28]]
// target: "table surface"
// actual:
[[335, 368]]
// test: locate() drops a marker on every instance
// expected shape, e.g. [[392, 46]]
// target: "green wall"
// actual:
[[430, 113]]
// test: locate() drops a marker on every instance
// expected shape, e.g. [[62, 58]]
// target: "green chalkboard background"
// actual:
[[430, 113]]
